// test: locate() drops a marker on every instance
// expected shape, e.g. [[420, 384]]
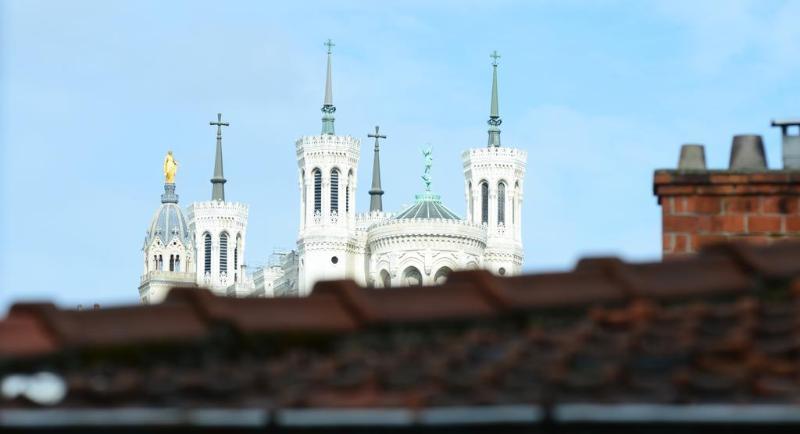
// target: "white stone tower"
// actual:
[[328, 167], [220, 229], [494, 189], [168, 250]]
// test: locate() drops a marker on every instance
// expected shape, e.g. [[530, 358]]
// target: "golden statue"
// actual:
[[170, 167]]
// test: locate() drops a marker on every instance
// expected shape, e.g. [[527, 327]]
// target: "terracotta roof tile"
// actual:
[[719, 328], [323, 314], [23, 335], [118, 325]]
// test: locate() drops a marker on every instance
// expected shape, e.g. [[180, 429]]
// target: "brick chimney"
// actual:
[[746, 201]]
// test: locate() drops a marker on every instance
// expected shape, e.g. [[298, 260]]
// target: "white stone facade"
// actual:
[[169, 254], [420, 245], [422, 251], [219, 230], [493, 183], [327, 245], [379, 250]]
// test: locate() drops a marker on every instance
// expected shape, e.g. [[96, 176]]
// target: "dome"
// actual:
[[427, 206], [167, 222]]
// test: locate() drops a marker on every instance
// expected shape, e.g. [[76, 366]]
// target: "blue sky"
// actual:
[[92, 94]]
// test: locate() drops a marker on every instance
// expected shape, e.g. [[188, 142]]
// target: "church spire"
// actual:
[[376, 193], [327, 105], [218, 181], [494, 112]]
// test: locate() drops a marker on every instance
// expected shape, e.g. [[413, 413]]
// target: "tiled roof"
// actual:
[[608, 341]]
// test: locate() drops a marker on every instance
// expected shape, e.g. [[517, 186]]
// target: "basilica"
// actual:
[[204, 245]]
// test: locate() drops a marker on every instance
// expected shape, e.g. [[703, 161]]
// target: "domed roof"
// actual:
[[427, 206], [169, 221]]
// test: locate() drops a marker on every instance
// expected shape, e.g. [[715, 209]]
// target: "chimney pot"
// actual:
[[747, 153], [791, 143], [693, 157]]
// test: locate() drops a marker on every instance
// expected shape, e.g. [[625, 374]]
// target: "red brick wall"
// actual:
[[700, 208]]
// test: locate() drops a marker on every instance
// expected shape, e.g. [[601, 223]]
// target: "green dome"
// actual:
[[427, 206]]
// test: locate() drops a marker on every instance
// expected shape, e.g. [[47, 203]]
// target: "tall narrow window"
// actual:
[[303, 203], [484, 202], [236, 257], [207, 253], [160, 263], [317, 191], [177, 262], [334, 190], [501, 203], [223, 252], [347, 199], [470, 205], [171, 262]]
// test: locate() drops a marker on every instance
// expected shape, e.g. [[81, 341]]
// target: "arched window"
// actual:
[[470, 205], [207, 253], [177, 262], [412, 276], [236, 256], [171, 262], [335, 190], [160, 263], [501, 203], [441, 276], [223, 252], [515, 203], [386, 279], [484, 202], [303, 203], [317, 191]]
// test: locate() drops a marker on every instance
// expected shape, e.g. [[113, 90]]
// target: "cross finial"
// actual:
[[330, 45], [377, 136], [219, 124], [494, 57]]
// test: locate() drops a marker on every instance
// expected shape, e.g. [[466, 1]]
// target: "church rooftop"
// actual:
[[428, 206]]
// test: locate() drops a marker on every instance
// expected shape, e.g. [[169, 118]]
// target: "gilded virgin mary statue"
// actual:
[[170, 167]]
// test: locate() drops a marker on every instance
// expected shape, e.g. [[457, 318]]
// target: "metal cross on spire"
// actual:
[[376, 192], [494, 110], [327, 103], [494, 57], [377, 136], [219, 125], [330, 45], [218, 181]]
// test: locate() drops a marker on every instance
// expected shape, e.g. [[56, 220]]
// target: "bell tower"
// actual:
[[327, 169], [220, 228], [493, 181]]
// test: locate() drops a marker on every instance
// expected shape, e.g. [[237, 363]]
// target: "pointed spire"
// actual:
[[494, 111], [218, 181], [376, 193], [327, 105]]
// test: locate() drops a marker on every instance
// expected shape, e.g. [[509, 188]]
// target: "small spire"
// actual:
[[327, 105], [494, 111], [218, 181], [376, 193]]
